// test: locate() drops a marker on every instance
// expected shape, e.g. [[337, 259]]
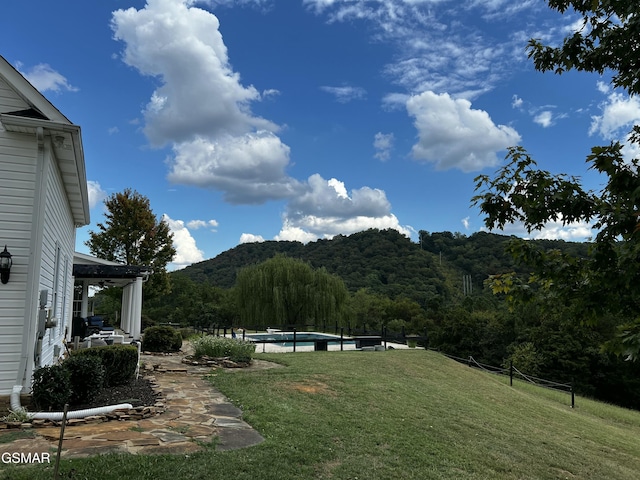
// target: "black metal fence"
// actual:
[[385, 334], [363, 337]]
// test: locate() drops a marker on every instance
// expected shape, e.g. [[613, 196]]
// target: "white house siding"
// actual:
[[17, 186], [57, 262], [41, 202]]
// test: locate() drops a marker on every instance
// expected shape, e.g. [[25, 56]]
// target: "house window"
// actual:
[[77, 299]]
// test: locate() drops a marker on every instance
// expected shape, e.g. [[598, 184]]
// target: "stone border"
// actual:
[[219, 362], [122, 414]]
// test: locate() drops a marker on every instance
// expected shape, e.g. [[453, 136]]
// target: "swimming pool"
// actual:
[[319, 341]]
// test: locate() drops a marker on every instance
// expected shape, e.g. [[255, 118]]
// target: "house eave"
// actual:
[[66, 141]]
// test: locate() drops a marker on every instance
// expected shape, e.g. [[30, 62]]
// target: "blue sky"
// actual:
[[254, 120]]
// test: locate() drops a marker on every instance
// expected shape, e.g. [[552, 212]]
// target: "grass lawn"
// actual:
[[393, 415]]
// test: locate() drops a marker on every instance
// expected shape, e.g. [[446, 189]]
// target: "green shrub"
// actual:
[[161, 339], [119, 362], [216, 347], [51, 388], [87, 377]]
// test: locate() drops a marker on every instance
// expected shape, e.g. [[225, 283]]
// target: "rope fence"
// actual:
[[514, 372]]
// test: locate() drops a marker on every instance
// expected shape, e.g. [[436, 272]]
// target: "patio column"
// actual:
[[136, 308], [84, 302], [125, 314]]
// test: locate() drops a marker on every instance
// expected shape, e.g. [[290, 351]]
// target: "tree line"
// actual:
[[553, 344]]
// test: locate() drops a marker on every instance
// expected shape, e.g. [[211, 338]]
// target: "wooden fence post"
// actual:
[[64, 422]]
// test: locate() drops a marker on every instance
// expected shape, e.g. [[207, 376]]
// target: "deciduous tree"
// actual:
[[607, 281], [131, 234]]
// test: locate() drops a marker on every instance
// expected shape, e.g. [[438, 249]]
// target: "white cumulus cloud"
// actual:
[[619, 113], [45, 78], [187, 251], [200, 106], [96, 193], [251, 238], [327, 209], [248, 168], [555, 230], [454, 135], [196, 224], [202, 109], [199, 93]]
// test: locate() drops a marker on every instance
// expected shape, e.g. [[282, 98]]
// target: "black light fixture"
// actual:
[[5, 265]]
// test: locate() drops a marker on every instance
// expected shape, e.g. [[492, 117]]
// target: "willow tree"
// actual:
[[287, 291]]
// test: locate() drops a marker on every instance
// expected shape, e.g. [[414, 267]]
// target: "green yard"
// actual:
[[394, 415]]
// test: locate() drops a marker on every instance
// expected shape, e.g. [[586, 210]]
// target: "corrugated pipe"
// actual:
[[15, 406]]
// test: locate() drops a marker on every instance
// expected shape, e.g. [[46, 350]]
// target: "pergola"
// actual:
[[92, 271]]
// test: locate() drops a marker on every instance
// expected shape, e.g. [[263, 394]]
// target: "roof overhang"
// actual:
[[66, 141], [105, 273]]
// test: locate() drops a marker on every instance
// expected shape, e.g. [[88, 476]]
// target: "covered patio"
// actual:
[[92, 271]]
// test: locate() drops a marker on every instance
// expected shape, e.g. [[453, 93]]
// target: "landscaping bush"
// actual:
[[51, 388], [216, 347], [119, 362], [161, 339], [87, 377]]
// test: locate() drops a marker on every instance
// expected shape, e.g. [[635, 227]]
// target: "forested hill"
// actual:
[[383, 261]]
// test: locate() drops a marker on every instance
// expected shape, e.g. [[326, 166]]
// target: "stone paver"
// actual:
[[196, 414]]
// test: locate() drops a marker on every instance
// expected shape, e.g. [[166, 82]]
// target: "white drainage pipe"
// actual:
[[15, 406]]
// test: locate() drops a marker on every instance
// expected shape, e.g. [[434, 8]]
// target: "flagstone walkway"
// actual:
[[196, 414]]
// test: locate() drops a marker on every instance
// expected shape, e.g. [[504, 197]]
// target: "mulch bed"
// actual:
[[137, 392]]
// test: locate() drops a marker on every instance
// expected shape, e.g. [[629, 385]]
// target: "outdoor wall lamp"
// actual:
[[5, 265]]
